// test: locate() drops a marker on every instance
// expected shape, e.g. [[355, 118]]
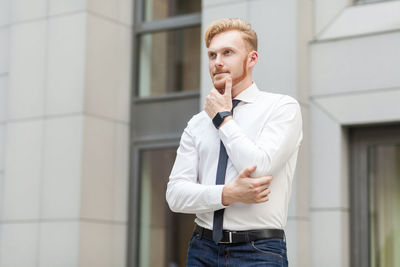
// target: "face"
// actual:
[[228, 56]]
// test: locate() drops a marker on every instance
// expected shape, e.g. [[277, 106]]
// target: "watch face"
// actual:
[[219, 118]]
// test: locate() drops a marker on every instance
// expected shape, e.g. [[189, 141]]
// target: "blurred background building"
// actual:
[[94, 95]]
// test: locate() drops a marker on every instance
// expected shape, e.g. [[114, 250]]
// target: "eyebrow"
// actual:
[[222, 48]]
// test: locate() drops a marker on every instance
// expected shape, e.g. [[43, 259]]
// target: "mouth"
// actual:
[[220, 73]]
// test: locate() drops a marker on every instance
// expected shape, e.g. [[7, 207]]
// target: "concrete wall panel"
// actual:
[[373, 106], [355, 64]]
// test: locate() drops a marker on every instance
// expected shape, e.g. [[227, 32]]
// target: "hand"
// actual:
[[247, 189], [218, 102]]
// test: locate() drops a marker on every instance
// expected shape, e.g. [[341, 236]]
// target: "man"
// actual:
[[236, 159]]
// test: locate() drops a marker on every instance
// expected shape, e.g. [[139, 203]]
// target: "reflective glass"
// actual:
[[169, 62], [163, 235], [161, 9], [384, 205]]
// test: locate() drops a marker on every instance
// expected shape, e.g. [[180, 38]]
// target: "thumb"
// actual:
[[247, 171]]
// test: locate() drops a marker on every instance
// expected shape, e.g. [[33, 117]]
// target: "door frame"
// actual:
[[134, 194]]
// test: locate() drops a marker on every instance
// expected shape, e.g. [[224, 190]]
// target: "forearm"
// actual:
[[188, 197], [184, 193]]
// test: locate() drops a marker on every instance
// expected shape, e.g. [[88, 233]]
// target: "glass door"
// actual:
[[384, 204], [163, 235], [375, 196]]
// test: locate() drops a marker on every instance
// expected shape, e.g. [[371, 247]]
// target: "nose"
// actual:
[[218, 61]]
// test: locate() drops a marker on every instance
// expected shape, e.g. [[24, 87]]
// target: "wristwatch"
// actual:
[[219, 118]]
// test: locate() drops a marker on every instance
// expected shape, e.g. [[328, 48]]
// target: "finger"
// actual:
[[264, 180], [247, 171], [214, 92], [264, 199], [264, 189], [265, 193], [208, 100], [228, 87]]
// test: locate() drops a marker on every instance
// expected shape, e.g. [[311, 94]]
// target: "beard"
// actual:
[[220, 84]]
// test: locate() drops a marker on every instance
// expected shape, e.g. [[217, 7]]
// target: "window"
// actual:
[[167, 47], [166, 82], [161, 9], [163, 235], [375, 197], [384, 204]]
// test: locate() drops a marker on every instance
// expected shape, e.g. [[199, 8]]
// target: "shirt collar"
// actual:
[[249, 94]]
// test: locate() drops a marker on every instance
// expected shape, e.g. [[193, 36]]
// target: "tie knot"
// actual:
[[235, 102]]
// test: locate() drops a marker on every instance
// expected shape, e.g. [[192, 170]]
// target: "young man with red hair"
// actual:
[[236, 160]]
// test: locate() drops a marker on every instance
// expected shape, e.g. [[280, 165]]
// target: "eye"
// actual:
[[211, 55], [227, 52]]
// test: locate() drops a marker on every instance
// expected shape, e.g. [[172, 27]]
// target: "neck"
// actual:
[[241, 86]]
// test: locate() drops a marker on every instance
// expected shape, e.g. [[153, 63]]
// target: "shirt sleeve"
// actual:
[[184, 193], [279, 138]]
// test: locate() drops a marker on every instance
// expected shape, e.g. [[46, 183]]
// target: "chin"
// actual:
[[219, 85]]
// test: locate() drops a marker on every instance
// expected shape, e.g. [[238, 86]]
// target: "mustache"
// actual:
[[219, 71]]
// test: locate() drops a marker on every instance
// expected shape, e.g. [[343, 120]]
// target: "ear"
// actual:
[[253, 58]]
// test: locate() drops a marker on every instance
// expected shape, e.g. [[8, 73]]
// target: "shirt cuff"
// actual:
[[215, 196]]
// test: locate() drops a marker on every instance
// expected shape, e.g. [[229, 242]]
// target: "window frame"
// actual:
[[134, 194], [142, 27]]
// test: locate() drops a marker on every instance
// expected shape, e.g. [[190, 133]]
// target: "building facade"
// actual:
[[94, 96]]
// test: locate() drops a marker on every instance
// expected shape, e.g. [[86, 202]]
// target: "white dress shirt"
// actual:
[[266, 130]]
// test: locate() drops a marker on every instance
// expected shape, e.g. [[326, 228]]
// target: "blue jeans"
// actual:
[[203, 252]]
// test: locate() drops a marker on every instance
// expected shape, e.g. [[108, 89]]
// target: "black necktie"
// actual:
[[221, 171]]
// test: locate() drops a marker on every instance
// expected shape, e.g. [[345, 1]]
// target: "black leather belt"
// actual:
[[242, 236]]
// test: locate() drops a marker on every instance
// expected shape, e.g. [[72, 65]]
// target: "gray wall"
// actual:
[[64, 132], [355, 66]]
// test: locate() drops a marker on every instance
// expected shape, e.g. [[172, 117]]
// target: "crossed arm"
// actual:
[[185, 194]]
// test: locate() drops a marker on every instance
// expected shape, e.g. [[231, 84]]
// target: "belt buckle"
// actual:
[[230, 239]]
